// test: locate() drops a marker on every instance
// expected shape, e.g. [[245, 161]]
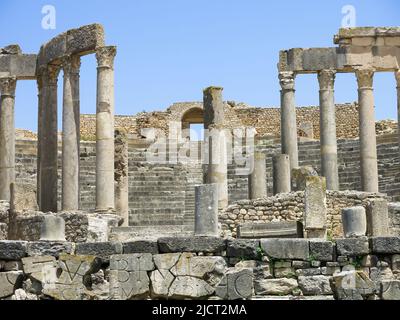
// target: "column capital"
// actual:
[[365, 78], [8, 86], [50, 75], [326, 79], [105, 56], [286, 80], [71, 64], [397, 76]]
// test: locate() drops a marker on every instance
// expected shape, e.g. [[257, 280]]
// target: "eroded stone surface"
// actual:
[[9, 281], [236, 284]]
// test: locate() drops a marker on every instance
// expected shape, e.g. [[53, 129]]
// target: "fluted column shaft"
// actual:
[[288, 118], [7, 136], [368, 153], [71, 134], [49, 140], [105, 130], [329, 167]]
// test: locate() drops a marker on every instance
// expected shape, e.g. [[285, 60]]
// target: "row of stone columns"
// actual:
[[367, 135], [48, 135]]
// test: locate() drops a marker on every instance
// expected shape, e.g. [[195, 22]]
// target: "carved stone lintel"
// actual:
[[105, 56], [8, 86], [397, 75], [326, 79], [71, 65], [365, 78], [286, 80]]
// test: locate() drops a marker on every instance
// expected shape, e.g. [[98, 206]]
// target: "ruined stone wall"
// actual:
[[265, 120], [202, 268], [290, 207]]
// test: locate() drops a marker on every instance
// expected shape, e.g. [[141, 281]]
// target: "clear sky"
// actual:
[[168, 51]]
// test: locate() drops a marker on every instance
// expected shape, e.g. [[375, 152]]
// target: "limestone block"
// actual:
[[315, 205], [261, 270], [354, 222], [352, 246], [3, 231], [41, 268], [12, 266], [206, 210], [280, 286], [191, 244], [352, 285], [299, 177], [319, 59], [190, 287], [52, 229], [245, 249], [21, 294], [102, 250], [23, 66], [236, 284], [161, 281], [286, 248], [132, 262], [140, 246], [25, 198], [12, 250], [128, 275], [50, 248], [396, 262], [279, 229], [166, 261], [378, 218], [390, 245], [315, 285], [308, 272], [390, 289], [69, 284], [9, 281], [321, 250]]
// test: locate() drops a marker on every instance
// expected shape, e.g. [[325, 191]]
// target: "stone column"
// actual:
[[121, 176], [329, 168], [378, 218], [217, 142], [71, 134], [368, 154], [49, 141], [288, 118], [281, 173], [206, 210], [258, 177], [39, 134], [7, 136], [397, 75], [105, 130]]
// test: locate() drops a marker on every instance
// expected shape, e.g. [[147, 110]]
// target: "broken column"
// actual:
[[217, 145], [7, 136], [329, 168], [315, 207], [121, 176], [378, 218], [368, 153], [397, 76], [52, 229], [288, 118], [354, 222], [258, 177], [281, 173], [105, 129], [71, 134], [48, 167], [206, 210]]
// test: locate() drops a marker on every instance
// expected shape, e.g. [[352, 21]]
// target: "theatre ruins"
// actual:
[[267, 203]]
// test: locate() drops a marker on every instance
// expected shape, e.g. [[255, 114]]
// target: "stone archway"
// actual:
[[193, 116]]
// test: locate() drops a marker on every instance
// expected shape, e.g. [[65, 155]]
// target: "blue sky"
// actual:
[[168, 51]]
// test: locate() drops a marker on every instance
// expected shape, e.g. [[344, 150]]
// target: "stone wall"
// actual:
[[202, 268], [265, 120], [290, 207]]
